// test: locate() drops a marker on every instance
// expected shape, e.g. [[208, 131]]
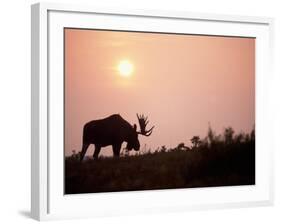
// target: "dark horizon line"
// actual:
[[155, 32]]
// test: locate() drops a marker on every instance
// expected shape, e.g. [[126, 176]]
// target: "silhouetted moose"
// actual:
[[113, 130]]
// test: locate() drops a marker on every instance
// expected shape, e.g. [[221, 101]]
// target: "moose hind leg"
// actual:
[[84, 150], [97, 151]]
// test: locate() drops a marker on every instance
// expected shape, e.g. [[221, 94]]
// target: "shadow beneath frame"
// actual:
[[25, 213]]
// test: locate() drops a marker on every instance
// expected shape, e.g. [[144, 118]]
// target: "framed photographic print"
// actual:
[[138, 111]]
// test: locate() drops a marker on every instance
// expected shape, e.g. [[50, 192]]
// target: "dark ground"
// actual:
[[218, 165]]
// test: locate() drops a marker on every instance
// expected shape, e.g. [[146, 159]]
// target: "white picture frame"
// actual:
[[47, 198]]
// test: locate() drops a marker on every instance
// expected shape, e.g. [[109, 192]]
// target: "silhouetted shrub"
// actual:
[[163, 148], [228, 135], [195, 141]]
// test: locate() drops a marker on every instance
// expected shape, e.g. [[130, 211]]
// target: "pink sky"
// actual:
[[181, 82]]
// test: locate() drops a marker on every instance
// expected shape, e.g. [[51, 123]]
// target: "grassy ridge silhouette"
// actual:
[[216, 160]]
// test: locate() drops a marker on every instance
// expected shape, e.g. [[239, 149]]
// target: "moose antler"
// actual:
[[143, 122]]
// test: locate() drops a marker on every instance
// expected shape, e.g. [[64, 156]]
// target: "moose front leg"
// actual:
[[116, 150]]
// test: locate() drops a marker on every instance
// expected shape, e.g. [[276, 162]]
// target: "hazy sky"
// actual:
[[181, 82]]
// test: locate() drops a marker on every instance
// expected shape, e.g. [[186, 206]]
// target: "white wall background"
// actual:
[[15, 110]]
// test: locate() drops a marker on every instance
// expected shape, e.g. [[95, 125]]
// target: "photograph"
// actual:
[[157, 111]]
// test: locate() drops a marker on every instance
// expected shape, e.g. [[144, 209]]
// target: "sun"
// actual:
[[125, 68]]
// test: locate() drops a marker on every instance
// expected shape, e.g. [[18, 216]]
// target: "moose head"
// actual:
[[133, 142]]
